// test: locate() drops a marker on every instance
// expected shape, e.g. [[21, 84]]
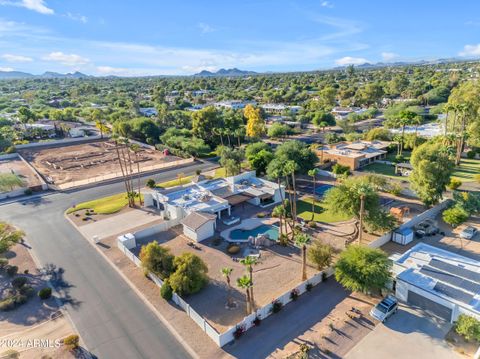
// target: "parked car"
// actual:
[[426, 228], [469, 232], [386, 308]]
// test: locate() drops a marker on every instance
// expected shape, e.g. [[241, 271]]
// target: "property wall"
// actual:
[[158, 228], [381, 240], [57, 143], [430, 213], [326, 173]]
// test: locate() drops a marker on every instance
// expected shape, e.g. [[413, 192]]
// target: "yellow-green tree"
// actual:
[[255, 122]]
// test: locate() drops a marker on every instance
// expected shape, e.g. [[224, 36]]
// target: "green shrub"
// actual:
[[71, 341], [19, 282], [468, 327], [166, 291], [45, 293], [471, 154], [395, 189], [339, 169], [28, 192], [11, 270], [150, 183], [455, 215], [276, 306], [190, 275], [454, 184]]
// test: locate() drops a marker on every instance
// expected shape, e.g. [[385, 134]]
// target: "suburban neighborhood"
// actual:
[[187, 180]]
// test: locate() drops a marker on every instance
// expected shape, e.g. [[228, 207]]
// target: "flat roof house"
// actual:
[[354, 154], [278, 108], [210, 199], [441, 282]]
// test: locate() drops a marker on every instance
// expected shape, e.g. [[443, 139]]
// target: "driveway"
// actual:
[[407, 334]]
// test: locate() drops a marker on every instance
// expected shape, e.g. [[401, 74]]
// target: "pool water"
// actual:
[[320, 190], [243, 234]]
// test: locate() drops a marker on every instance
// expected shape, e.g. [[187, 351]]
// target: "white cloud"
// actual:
[[326, 4], [348, 60], [66, 59], [389, 56], [77, 17], [6, 69], [470, 50], [35, 5], [205, 28], [16, 58]]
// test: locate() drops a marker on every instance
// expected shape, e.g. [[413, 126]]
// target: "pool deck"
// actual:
[[247, 224]]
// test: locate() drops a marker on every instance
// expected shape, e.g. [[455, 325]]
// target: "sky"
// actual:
[[182, 37]]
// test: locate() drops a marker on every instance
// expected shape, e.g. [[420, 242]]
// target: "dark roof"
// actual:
[[238, 198]]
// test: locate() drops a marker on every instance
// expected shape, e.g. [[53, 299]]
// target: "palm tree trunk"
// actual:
[[304, 263], [403, 139], [249, 310], [313, 199], [121, 167], [250, 271]]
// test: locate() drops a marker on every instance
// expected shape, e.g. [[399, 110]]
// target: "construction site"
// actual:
[[79, 164]]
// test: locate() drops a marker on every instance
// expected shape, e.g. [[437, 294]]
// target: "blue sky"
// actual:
[[146, 37]]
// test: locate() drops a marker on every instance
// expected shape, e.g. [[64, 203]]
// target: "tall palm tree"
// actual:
[[301, 240], [279, 212], [122, 169], [245, 283], [249, 262], [313, 174], [227, 272], [136, 148]]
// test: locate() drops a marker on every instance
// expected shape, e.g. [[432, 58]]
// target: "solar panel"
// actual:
[[454, 293], [459, 271], [454, 280]]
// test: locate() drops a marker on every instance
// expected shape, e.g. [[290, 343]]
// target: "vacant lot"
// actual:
[[91, 161], [16, 168]]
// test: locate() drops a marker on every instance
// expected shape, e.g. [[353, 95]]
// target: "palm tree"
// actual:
[[249, 262], [313, 173], [227, 272], [122, 169], [136, 148], [245, 283], [279, 212], [301, 240]]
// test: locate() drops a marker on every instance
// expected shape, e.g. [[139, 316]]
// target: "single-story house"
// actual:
[[213, 196], [403, 169], [442, 283], [354, 154], [199, 225]]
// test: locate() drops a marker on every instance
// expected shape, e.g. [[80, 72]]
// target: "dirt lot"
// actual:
[[61, 165], [278, 270], [21, 169]]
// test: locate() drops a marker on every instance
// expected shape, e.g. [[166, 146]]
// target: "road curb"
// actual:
[[165, 322]]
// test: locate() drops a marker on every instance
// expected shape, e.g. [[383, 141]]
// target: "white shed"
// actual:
[[199, 225]]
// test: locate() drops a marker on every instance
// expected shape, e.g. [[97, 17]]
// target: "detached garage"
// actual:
[[440, 282], [199, 225]]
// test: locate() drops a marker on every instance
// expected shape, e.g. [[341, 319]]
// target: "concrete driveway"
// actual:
[[407, 334]]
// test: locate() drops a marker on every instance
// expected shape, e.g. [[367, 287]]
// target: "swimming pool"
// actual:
[[243, 234], [320, 190]]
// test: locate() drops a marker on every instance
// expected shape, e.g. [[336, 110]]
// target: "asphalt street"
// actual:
[[110, 317]]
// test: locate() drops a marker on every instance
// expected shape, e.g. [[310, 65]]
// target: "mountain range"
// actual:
[[45, 75], [225, 72]]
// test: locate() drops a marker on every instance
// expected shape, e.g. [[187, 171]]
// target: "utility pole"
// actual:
[[362, 210]]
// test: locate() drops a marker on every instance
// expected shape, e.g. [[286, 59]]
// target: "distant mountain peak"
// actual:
[[45, 75], [225, 72]]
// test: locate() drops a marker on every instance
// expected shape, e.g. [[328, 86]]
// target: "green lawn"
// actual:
[[304, 211], [467, 170], [175, 182], [382, 169], [406, 154], [105, 205]]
